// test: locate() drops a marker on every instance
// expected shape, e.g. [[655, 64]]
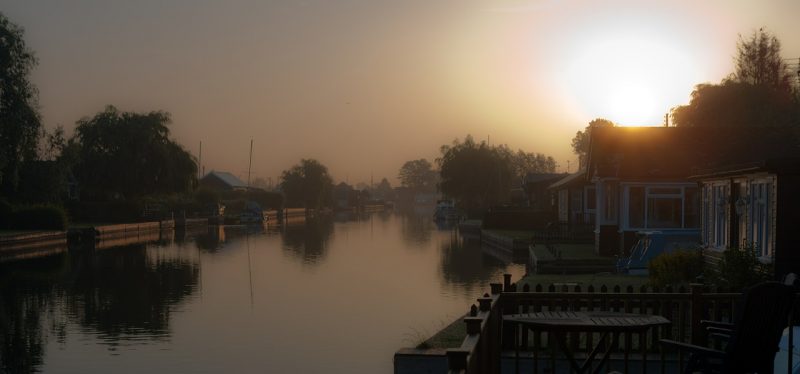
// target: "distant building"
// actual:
[[534, 186], [222, 181]]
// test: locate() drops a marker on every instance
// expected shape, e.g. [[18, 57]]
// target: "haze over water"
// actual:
[[330, 297]]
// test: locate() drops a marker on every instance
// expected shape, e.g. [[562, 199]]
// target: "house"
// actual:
[[574, 200], [222, 181], [737, 186], [641, 182], [750, 199]]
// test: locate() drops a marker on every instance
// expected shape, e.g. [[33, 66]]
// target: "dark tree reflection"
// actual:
[[123, 291], [308, 242], [465, 264], [26, 305], [416, 228]]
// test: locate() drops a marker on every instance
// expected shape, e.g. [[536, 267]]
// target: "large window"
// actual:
[[715, 214], [759, 227], [662, 207]]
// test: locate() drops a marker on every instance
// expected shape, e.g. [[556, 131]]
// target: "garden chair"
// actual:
[[752, 340]]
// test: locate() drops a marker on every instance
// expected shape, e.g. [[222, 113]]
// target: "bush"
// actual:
[[39, 217], [740, 268], [675, 268]]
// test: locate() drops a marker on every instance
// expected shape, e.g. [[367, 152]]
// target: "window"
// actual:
[[591, 203], [760, 216], [662, 207], [610, 202], [715, 214]]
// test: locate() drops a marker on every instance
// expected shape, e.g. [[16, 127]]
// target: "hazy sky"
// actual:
[[364, 86]]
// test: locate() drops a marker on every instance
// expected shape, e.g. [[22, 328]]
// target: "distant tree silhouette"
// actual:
[[580, 143], [384, 190], [307, 185], [759, 62], [760, 92], [19, 116], [523, 162], [418, 175], [475, 174], [124, 154]]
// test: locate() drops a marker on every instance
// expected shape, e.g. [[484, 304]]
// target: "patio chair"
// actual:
[[752, 340]]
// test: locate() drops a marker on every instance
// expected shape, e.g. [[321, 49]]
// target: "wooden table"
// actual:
[[558, 324]]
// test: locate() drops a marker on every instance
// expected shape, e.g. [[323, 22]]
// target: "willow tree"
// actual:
[[126, 154], [19, 117]]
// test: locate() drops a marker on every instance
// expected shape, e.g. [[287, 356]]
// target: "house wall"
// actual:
[[787, 240]]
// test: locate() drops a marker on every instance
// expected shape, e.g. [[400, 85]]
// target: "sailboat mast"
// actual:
[[251, 163]]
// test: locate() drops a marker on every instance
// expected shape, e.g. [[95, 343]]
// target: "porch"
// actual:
[[489, 346]]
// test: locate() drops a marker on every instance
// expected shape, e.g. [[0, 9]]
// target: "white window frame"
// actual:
[[626, 187], [761, 194], [716, 214]]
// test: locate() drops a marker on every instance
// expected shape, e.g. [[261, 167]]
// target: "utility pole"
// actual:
[[567, 166], [666, 119]]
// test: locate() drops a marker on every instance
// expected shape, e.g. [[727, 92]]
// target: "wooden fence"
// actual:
[[487, 337]]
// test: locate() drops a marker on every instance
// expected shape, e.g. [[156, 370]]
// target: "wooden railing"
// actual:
[[487, 337]]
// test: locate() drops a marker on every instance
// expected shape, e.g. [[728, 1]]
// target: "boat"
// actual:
[[653, 243], [253, 214], [445, 211]]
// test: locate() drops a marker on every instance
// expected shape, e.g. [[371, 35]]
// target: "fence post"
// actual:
[[457, 360], [698, 336]]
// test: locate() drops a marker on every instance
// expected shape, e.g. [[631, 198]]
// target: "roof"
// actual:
[[533, 178], [664, 153], [227, 178], [570, 180]]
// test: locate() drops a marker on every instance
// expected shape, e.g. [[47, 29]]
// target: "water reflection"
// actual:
[[124, 291], [416, 228], [256, 312], [308, 242], [26, 301], [119, 294], [466, 264]]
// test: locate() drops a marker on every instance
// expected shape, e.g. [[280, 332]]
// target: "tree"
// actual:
[[580, 143], [760, 92], [384, 190], [476, 175], [418, 176], [125, 154], [737, 104], [307, 185], [759, 62], [523, 162], [19, 116]]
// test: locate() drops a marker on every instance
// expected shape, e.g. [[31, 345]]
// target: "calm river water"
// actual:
[[336, 295]]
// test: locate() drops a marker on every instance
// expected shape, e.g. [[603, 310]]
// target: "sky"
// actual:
[[365, 85]]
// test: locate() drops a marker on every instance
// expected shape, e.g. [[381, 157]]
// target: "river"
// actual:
[[335, 295]]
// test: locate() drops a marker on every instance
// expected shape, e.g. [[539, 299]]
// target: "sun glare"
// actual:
[[630, 80]]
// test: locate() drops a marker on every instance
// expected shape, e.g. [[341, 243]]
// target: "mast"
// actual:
[[251, 163], [200, 161]]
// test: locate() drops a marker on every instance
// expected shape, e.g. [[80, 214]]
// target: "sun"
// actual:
[[632, 80]]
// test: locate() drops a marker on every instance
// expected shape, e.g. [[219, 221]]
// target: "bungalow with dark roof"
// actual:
[[222, 181], [641, 182], [737, 185]]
